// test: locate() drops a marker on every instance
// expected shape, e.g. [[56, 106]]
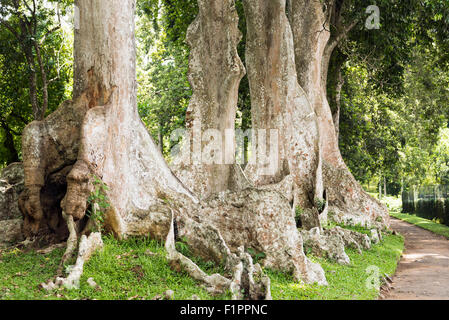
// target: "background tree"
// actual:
[[35, 55]]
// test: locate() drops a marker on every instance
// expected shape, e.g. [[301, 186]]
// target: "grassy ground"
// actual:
[[137, 269], [345, 282], [423, 223], [394, 204], [133, 269]]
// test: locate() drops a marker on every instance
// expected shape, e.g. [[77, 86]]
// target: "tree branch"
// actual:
[[48, 33], [10, 28], [342, 33]]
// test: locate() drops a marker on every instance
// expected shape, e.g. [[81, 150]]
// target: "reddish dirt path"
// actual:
[[423, 272]]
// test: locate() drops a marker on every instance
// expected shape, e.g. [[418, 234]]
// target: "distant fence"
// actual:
[[428, 202]]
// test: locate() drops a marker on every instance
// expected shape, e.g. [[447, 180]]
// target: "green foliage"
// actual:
[[18, 61], [98, 203], [164, 91], [298, 213], [431, 203], [396, 137], [440, 159], [257, 256], [320, 204]]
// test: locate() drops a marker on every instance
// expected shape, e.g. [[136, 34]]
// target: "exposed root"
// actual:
[[349, 204], [332, 243], [88, 246], [71, 243], [310, 219], [215, 284], [257, 284], [324, 245], [353, 239], [285, 187], [242, 267], [263, 221]]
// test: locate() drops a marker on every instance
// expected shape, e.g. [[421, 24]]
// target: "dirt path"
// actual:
[[423, 272]]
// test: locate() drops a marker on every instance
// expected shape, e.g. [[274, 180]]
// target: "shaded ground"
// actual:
[[423, 272]]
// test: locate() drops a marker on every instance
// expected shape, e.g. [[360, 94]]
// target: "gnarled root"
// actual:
[[88, 246], [241, 265], [72, 242], [263, 221], [331, 243], [349, 204], [49, 149]]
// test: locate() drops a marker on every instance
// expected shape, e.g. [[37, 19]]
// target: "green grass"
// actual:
[[394, 205], [423, 223], [125, 270], [345, 282], [20, 274]]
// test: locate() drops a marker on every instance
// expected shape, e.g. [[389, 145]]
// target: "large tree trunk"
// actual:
[[114, 143], [280, 110], [99, 134], [313, 49], [215, 71], [335, 87], [258, 219]]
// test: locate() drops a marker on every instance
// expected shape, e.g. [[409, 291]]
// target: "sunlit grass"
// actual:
[[138, 269], [345, 282], [132, 269], [423, 223], [394, 205]]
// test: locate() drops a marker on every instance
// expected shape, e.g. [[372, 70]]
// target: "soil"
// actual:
[[423, 272]]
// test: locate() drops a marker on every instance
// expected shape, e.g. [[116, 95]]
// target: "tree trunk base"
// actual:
[[331, 243], [348, 203]]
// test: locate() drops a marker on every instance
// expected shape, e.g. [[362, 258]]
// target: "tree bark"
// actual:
[[380, 189], [215, 71], [313, 49], [240, 210], [32, 83], [279, 107], [44, 106], [114, 143], [336, 113], [335, 87], [99, 134]]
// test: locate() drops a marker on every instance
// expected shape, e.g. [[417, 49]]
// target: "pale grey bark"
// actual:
[[115, 145], [215, 71], [314, 46], [337, 111], [278, 102]]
